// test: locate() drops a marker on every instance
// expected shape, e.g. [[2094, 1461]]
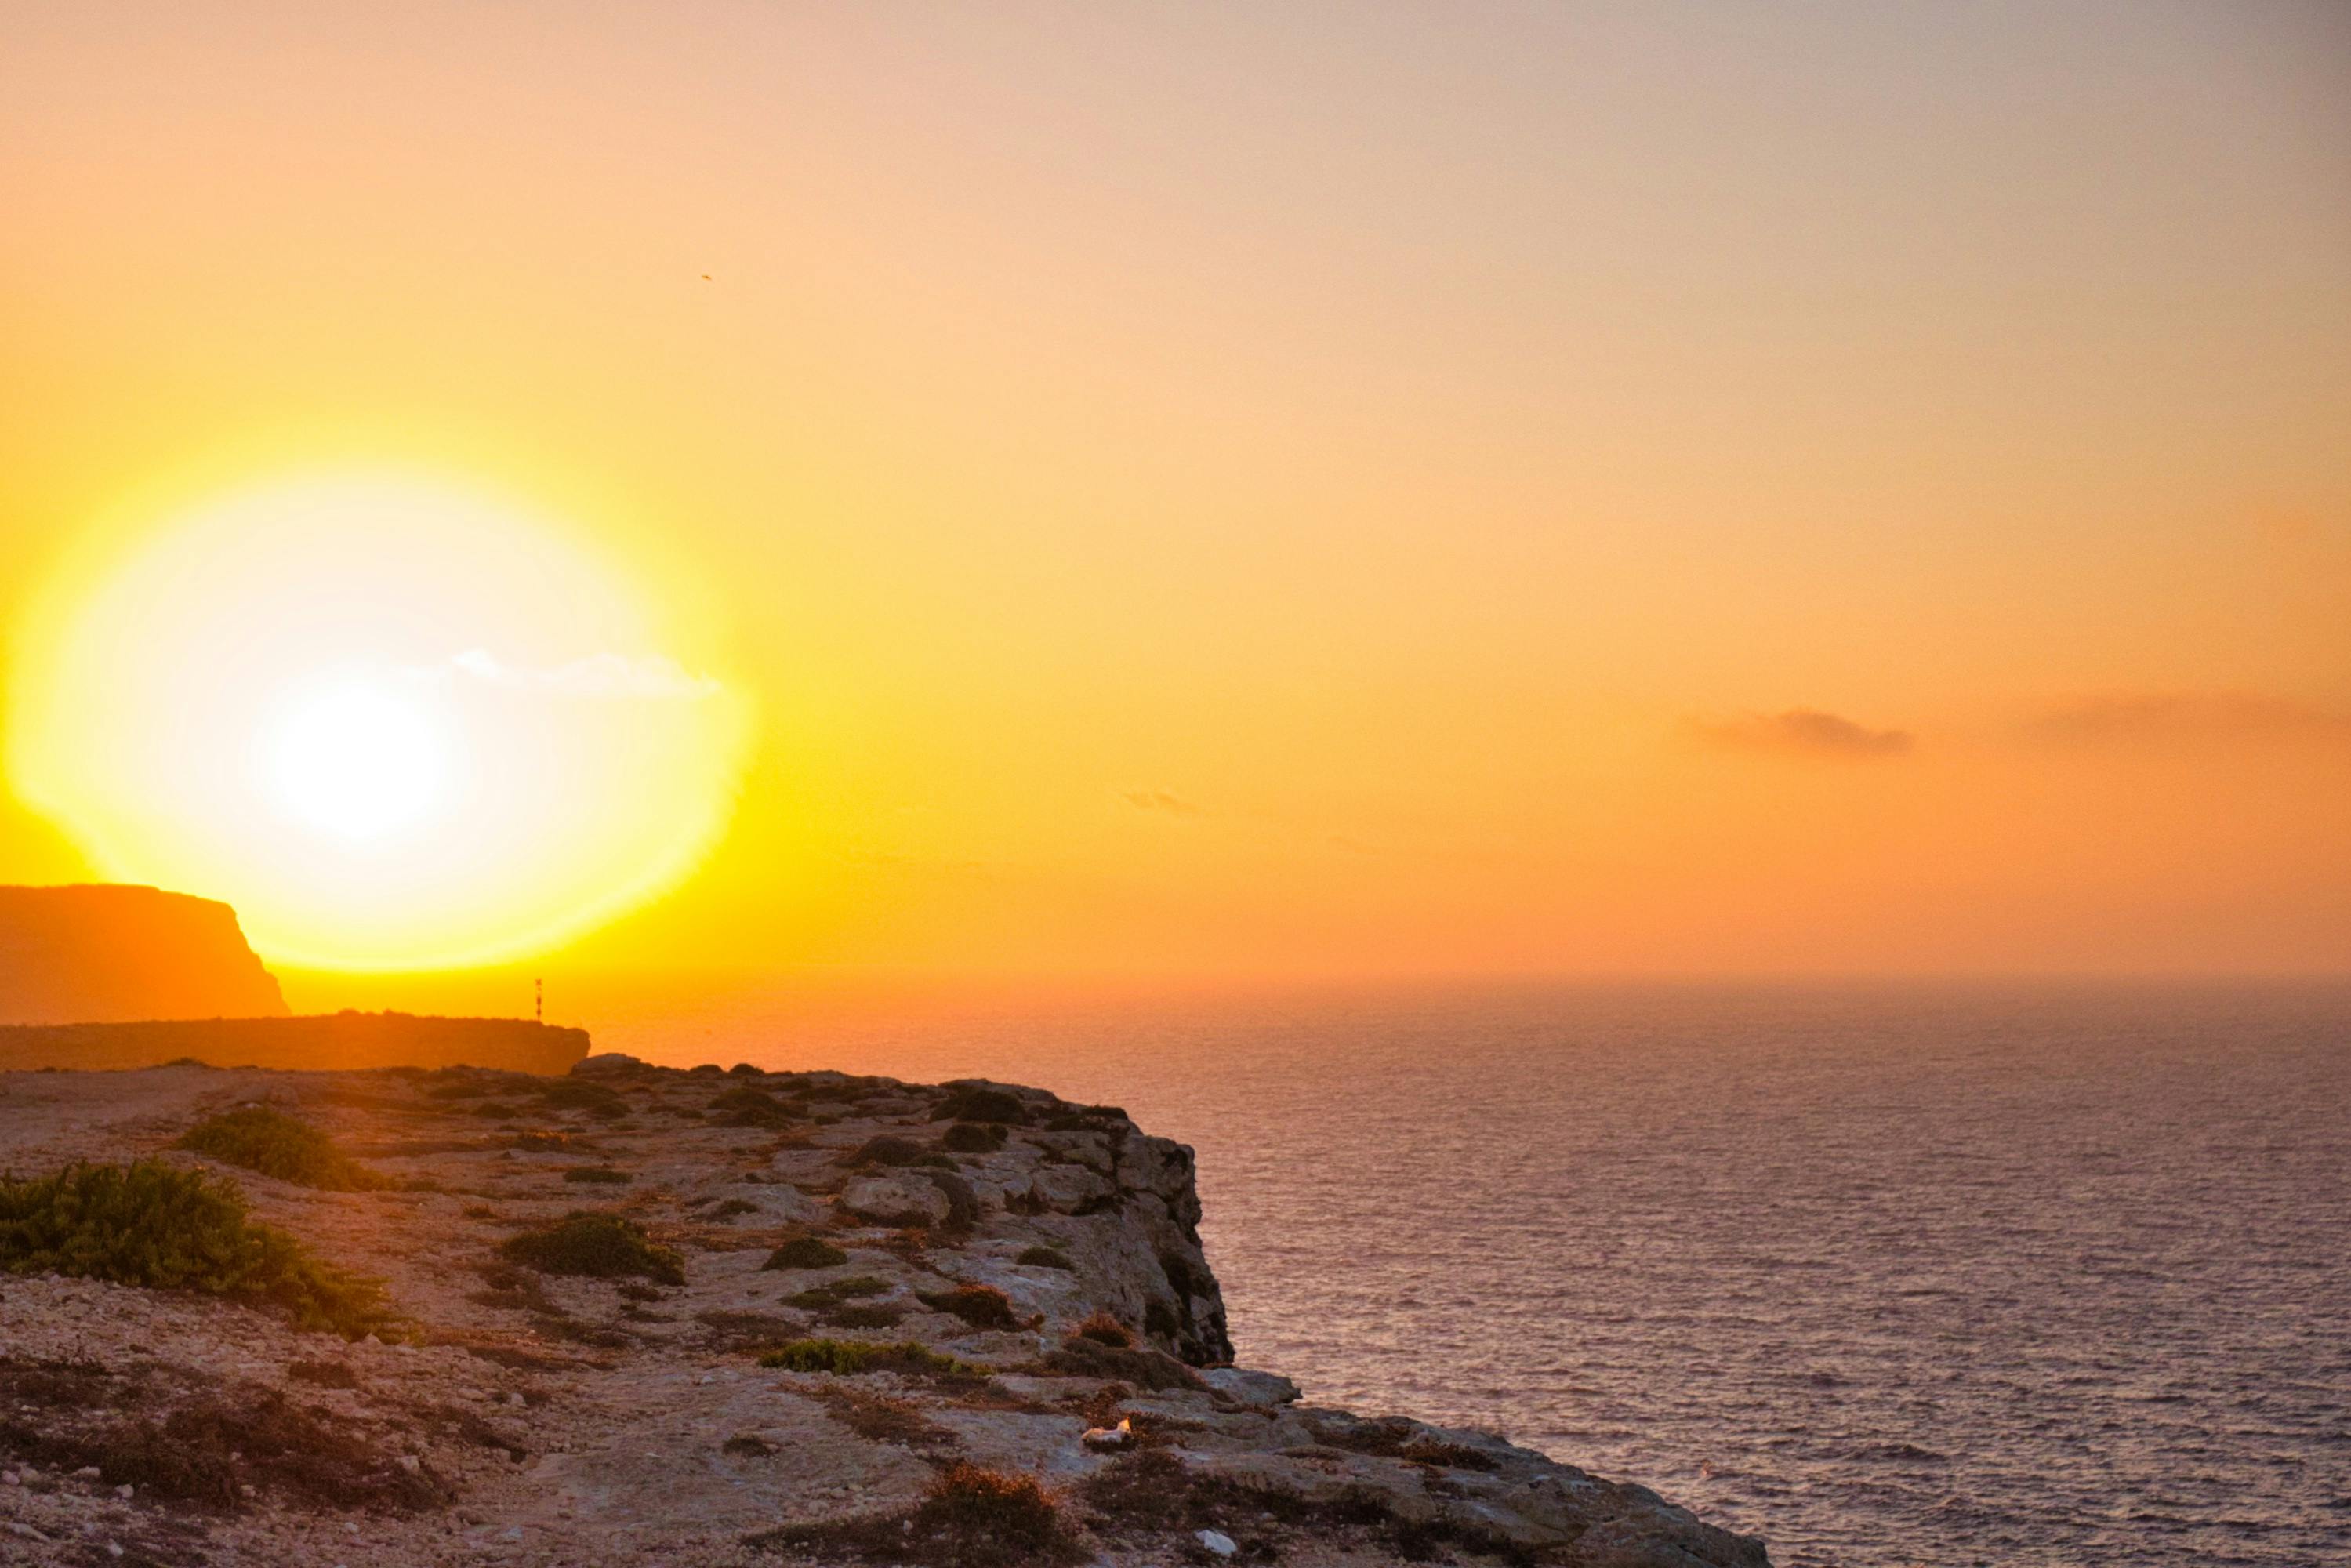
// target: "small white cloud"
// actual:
[[653, 677]]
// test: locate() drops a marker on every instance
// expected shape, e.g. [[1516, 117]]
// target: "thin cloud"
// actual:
[[2204, 718], [1160, 800], [1803, 732], [653, 677]]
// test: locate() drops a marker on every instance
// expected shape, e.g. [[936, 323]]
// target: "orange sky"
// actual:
[[1305, 490]]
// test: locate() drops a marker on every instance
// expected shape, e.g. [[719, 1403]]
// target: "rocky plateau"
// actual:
[[868, 1322]]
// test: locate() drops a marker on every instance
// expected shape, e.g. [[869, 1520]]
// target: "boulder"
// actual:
[[1264, 1389]]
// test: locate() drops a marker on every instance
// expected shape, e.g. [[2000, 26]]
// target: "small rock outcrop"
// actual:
[[106, 952]]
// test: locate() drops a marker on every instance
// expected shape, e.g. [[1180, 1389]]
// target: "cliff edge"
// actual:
[[643, 1316], [106, 952]]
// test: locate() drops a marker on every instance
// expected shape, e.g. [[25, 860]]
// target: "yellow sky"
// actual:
[[1261, 491]]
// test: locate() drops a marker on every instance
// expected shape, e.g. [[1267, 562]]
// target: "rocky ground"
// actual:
[[516, 1416]]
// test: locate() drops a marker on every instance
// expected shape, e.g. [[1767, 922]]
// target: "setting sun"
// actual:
[[399, 724], [358, 758]]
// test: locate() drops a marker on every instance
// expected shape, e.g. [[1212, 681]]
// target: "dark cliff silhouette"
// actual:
[[108, 953], [347, 1040]]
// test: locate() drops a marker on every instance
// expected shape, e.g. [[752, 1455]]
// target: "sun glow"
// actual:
[[358, 758], [399, 725]]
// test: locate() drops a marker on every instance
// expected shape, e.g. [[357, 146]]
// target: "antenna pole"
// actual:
[[538, 1001]]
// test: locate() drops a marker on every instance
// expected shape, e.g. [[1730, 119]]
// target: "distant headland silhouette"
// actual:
[[104, 976], [108, 953]]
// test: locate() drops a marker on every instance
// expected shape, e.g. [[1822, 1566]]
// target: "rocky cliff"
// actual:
[[104, 953], [646, 1316]]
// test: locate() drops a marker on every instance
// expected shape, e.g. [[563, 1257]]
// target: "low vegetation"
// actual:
[[158, 1226], [887, 1150], [856, 1287], [1139, 1365], [744, 1106], [256, 1138], [597, 1246], [580, 1094], [970, 1517], [854, 1357], [981, 1306], [597, 1176], [212, 1447], [880, 1418], [737, 1331], [1044, 1258], [974, 1137], [977, 1104], [1104, 1328], [806, 1252], [863, 1315]]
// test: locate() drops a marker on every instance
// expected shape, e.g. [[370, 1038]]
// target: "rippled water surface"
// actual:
[[1930, 1276]]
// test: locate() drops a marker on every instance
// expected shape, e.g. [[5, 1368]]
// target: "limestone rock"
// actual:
[[895, 1200], [1261, 1388]]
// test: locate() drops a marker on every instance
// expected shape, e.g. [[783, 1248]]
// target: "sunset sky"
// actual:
[[1242, 491]]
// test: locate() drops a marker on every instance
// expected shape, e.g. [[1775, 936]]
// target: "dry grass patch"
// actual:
[[882, 1418], [970, 1518], [981, 1306], [853, 1358], [178, 1441]]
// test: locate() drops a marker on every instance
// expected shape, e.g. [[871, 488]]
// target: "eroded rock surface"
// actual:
[[542, 1418]]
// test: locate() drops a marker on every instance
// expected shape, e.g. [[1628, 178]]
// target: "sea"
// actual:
[[1942, 1275]]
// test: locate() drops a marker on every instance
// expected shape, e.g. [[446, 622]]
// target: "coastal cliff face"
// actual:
[[824, 1320], [108, 953]]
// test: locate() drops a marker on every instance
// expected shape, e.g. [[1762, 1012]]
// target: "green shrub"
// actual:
[[977, 1104], [806, 1252], [1045, 1258], [852, 1357], [974, 1137], [256, 1138], [599, 1175], [597, 1246], [152, 1225]]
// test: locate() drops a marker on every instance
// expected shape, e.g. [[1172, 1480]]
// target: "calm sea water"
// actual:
[[1950, 1277]]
